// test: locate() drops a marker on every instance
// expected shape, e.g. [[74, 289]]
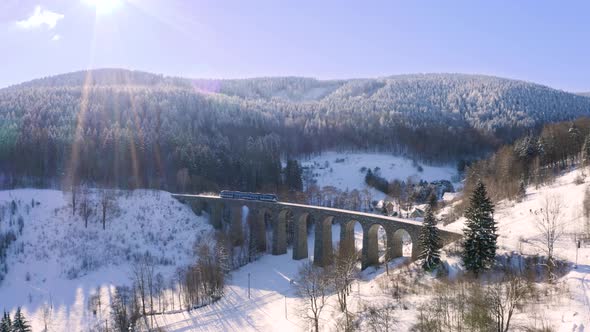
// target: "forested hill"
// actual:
[[140, 129], [103, 77]]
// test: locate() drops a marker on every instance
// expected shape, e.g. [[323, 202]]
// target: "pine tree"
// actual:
[[293, 175], [430, 242], [479, 247], [20, 324], [6, 324], [540, 146], [526, 148]]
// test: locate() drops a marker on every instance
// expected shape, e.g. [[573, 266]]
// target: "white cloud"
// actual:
[[56, 38], [40, 17]]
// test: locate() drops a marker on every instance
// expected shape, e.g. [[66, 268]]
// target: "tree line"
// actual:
[[534, 159]]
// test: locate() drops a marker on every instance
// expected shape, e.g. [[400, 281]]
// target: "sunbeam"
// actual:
[[104, 7], [72, 169]]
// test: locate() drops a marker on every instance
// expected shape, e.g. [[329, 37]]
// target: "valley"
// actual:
[[294, 165], [97, 251]]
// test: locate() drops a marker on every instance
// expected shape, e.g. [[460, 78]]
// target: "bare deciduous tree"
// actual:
[[143, 275], [343, 273], [313, 287], [47, 312], [549, 224], [107, 201], [505, 298], [85, 204], [72, 190], [381, 319]]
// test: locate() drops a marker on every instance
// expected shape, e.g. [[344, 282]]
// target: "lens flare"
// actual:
[[104, 6]]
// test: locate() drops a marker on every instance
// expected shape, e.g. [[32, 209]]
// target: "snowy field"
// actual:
[[343, 170], [57, 263]]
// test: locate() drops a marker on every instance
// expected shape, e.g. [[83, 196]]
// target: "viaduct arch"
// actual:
[[292, 220]]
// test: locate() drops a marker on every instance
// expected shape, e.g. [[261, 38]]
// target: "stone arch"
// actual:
[[257, 225], [245, 220], [401, 239], [231, 221], [200, 206], [287, 217], [348, 240], [205, 206], [322, 248], [371, 244], [216, 214], [236, 227], [227, 215], [301, 221], [270, 224], [279, 232]]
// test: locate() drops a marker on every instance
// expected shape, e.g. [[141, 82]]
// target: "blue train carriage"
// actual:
[[248, 196]]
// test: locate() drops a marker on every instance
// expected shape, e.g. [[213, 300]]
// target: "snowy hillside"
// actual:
[[439, 117], [518, 232], [57, 264], [516, 220], [343, 170]]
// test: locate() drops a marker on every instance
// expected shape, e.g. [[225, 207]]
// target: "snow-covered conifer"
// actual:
[[479, 247], [20, 324], [430, 241], [6, 323]]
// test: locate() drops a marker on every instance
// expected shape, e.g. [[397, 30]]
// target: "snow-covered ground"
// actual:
[[273, 304], [343, 169], [518, 232], [57, 263]]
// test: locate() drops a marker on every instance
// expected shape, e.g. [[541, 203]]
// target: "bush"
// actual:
[[374, 180], [381, 318], [580, 179]]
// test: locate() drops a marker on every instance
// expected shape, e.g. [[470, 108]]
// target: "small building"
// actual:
[[416, 213], [389, 207]]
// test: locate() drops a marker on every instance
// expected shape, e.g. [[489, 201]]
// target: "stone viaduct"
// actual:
[[280, 216]]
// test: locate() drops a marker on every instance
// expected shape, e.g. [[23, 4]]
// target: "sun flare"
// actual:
[[104, 6]]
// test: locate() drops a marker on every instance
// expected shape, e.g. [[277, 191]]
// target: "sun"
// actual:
[[104, 6]]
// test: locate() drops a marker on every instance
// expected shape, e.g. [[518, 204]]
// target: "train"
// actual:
[[248, 196]]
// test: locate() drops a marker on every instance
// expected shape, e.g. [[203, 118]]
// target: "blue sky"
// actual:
[[541, 41]]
